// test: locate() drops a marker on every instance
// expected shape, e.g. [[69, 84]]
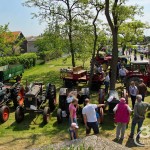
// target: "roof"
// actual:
[[12, 36], [32, 38]]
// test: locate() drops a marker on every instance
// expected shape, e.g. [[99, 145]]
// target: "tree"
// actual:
[[132, 36], [116, 13], [65, 11], [9, 43]]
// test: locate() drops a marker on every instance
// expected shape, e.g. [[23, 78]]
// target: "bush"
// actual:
[[27, 59], [49, 55]]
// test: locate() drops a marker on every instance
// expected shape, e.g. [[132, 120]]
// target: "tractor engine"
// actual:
[[33, 98], [17, 94]]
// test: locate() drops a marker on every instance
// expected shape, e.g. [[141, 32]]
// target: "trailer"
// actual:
[[8, 72]]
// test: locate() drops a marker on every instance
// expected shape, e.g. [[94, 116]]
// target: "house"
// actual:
[[21, 40], [31, 44], [16, 41]]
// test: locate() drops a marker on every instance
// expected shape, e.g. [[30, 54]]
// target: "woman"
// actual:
[[133, 91], [72, 111], [122, 115]]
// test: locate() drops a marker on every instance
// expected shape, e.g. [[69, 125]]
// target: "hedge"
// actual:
[[27, 59]]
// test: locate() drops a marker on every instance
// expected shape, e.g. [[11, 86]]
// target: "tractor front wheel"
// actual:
[[46, 115], [4, 113], [19, 114], [59, 116]]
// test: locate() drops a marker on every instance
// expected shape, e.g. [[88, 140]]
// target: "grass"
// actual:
[[33, 133]]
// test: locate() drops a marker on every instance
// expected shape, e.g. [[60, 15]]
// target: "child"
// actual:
[[72, 131]]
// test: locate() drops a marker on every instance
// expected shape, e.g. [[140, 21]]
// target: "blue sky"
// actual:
[[19, 17]]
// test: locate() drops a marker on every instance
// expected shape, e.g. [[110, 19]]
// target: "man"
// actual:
[[89, 115], [140, 109], [142, 89], [122, 73]]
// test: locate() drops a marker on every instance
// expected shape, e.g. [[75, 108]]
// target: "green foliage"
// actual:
[[49, 55], [27, 59], [9, 44]]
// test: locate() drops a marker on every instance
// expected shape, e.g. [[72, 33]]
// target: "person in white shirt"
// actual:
[[133, 91], [122, 73], [107, 82], [89, 115]]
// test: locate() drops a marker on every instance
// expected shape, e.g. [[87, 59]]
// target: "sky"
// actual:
[[20, 19]]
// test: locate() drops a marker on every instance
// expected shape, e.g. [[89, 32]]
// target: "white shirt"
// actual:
[[89, 111], [107, 78], [116, 107], [122, 72], [133, 90]]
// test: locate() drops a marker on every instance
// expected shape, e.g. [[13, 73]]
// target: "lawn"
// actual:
[[33, 133]]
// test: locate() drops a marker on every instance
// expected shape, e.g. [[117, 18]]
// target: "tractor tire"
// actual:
[[19, 114], [4, 113], [52, 104], [15, 103], [59, 116], [46, 115]]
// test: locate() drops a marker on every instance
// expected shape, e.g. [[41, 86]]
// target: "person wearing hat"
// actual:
[[72, 131], [142, 89], [122, 115], [89, 116], [140, 109]]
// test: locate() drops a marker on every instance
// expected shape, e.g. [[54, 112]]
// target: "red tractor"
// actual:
[[138, 70], [77, 74]]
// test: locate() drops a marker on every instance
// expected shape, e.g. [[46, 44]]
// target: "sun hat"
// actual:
[[122, 100], [74, 125]]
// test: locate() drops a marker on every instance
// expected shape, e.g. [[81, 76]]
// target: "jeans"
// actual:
[[121, 127], [139, 122], [94, 126], [133, 99], [143, 96]]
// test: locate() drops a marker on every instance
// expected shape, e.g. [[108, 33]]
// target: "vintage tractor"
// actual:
[[10, 93], [35, 97], [138, 70], [63, 110], [4, 98], [73, 76]]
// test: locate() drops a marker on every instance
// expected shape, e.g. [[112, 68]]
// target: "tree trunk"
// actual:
[[114, 60], [94, 50], [70, 34], [71, 48]]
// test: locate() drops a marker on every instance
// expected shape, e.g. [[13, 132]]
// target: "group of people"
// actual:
[[122, 113], [135, 90], [90, 116], [122, 117]]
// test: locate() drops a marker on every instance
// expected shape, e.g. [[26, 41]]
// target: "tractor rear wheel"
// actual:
[[46, 115], [59, 116], [19, 114], [4, 113]]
